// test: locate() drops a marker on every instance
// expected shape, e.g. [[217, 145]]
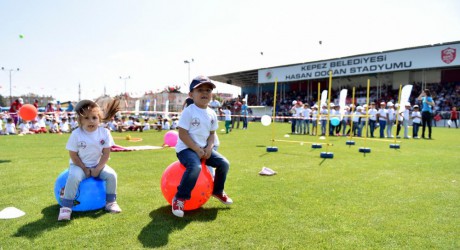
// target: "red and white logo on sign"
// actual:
[[448, 55]]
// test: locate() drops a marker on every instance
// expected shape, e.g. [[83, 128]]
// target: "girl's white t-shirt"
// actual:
[[89, 145], [199, 123]]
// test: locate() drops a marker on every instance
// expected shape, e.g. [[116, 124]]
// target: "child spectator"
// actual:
[[166, 125], [175, 123], [24, 128], [34, 127], [391, 119], [306, 115], [159, 123], [405, 120], [356, 121], [314, 120], [64, 126], [323, 118], [73, 123], [228, 119], [146, 124], [10, 128], [41, 121], [197, 127], [90, 160], [416, 121], [382, 118], [54, 126], [123, 125]]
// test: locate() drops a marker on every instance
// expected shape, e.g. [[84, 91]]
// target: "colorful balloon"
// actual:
[[200, 194], [28, 112], [335, 121], [170, 138]]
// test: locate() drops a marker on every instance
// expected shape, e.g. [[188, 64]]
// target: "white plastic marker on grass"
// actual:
[[11, 213]]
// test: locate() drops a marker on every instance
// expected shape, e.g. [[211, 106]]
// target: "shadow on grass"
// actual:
[[156, 233], [49, 221], [5, 161]]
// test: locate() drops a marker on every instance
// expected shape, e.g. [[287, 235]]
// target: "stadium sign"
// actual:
[[408, 59]]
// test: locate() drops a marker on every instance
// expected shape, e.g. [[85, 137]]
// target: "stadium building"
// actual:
[[422, 66]]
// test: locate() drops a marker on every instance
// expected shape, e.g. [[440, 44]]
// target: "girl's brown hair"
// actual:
[[109, 111]]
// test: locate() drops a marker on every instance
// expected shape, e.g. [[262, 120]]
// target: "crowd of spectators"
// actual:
[[446, 96]]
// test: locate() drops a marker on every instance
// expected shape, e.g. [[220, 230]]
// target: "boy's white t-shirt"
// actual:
[[416, 116], [89, 145], [199, 123]]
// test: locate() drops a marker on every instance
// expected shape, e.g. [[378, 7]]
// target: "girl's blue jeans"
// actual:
[[76, 175], [192, 164]]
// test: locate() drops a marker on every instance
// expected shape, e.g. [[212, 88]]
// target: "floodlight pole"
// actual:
[[125, 78], [10, 70], [188, 62]]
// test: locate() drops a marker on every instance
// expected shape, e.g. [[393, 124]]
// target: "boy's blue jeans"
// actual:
[[192, 163]]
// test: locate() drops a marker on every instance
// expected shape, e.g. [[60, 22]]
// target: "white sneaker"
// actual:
[[64, 213], [113, 207]]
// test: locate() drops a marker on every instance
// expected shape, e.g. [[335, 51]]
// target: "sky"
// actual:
[[61, 45]]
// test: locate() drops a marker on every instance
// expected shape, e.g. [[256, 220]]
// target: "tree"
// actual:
[[3, 101]]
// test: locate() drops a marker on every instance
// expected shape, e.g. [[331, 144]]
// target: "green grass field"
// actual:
[[388, 199]]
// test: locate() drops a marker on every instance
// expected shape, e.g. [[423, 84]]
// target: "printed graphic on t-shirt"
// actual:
[[195, 122], [82, 144]]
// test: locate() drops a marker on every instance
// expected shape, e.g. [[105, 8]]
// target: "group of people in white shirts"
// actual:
[[352, 119], [64, 123], [55, 124], [134, 124]]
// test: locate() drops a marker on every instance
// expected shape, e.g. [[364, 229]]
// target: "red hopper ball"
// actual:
[[200, 194]]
